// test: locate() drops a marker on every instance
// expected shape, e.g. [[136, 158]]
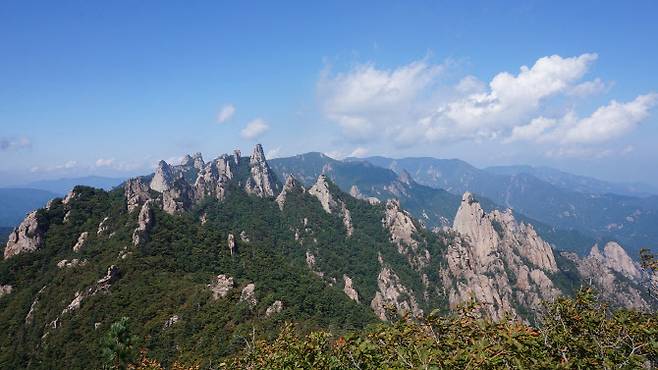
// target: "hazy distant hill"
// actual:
[[63, 186], [16, 202]]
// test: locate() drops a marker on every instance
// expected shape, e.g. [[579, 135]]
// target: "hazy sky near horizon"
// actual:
[[110, 88]]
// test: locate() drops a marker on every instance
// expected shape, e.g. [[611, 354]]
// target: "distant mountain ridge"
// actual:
[[15, 203], [630, 220]]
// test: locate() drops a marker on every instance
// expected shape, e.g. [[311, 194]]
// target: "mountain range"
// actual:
[[204, 255]]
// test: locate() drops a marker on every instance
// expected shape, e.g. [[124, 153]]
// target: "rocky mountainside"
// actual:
[[204, 255], [554, 198]]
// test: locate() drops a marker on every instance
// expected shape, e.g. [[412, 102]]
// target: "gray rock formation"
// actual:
[[102, 286], [136, 193], [27, 237], [244, 237], [248, 295], [500, 262], [33, 307], [330, 204], [356, 193], [71, 263], [144, 223], [178, 198], [261, 181], [82, 240], [163, 178], [198, 161], [5, 290], [220, 286], [274, 308], [212, 179], [103, 226], [392, 293], [231, 244], [613, 274], [171, 321], [290, 186], [349, 289], [401, 229]]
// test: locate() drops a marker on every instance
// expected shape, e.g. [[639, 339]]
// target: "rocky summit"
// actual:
[[202, 253]]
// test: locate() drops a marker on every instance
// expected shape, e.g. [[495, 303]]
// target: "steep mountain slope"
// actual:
[[205, 256], [630, 220], [15, 203]]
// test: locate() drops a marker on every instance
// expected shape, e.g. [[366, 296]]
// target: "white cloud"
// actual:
[[226, 113], [606, 123], [611, 121], [254, 129], [359, 152], [588, 88], [102, 162], [407, 104], [364, 97]]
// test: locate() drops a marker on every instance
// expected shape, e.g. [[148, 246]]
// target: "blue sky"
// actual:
[[110, 88]]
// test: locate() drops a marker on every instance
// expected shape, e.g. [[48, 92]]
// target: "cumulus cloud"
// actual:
[[364, 97], [226, 113], [102, 162], [409, 104], [7, 143], [254, 129], [606, 123]]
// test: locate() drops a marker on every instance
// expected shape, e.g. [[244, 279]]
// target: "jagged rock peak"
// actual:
[[615, 257], [257, 156], [261, 181], [356, 193], [163, 177], [27, 237], [391, 291], [144, 222], [187, 161], [237, 155], [400, 225], [321, 191], [290, 185], [136, 193], [198, 161], [488, 233]]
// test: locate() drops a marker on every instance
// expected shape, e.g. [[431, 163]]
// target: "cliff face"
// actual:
[[502, 262], [614, 275], [27, 237]]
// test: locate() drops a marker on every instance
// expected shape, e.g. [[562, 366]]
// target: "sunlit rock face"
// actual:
[[504, 264], [27, 237]]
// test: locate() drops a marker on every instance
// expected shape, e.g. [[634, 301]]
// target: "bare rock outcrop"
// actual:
[[213, 178], [163, 178], [248, 295], [261, 180], [274, 308], [349, 289], [356, 193], [220, 286], [5, 290], [27, 237], [136, 193], [173, 319], [231, 244], [290, 186], [82, 240], [330, 204], [401, 230], [179, 197], [103, 226], [101, 286], [392, 293], [144, 223], [33, 307], [63, 264], [603, 271], [502, 263]]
